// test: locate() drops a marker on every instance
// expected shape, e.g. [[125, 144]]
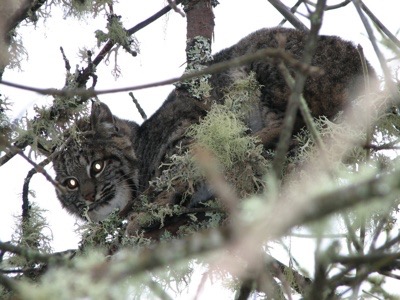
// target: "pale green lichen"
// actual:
[[5, 123], [225, 134], [117, 34], [81, 8], [180, 167], [16, 51], [198, 56], [32, 233], [104, 234], [75, 287], [243, 95]]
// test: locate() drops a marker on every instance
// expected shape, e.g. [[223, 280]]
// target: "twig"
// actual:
[[66, 61], [299, 283], [380, 25], [377, 232], [351, 233], [13, 150], [294, 99], [292, 10], [173, 5], [304, 109], [31, 254], [215, 68], [84, 76], [391, 275], [313, 236], [381, 58], [288, 15], [138, 107], [331, 7], [25, 188], [38, 168], [41, 170]]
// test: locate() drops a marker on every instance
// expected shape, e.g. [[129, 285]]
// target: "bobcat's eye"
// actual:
[[71, 183], [96, 167]]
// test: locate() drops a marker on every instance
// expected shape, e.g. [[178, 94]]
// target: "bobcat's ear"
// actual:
[[101, 117]]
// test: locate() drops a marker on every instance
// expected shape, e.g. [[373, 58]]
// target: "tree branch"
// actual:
[[84, 76], [287, 14], [294, 99], [215, 68], [12, 13], [31, 254], [381, 58]]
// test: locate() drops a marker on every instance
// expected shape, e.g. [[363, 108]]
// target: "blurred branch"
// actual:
[[331, 7], [299, 282], [303, 106], [159, 290], [32, 255], [224, 192], [381, 58], [294, 99], [8, 284], [380, 25], [245, 289]]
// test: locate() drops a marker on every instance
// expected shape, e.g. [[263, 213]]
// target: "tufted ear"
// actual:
[[101, 117]]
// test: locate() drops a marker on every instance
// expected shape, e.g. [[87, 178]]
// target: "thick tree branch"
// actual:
[[12, 13]]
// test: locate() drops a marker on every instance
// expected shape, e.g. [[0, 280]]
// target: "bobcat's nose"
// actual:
[[88, 191], [89, 197]]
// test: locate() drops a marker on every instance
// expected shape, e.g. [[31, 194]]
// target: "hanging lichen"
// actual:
[[225, 134]]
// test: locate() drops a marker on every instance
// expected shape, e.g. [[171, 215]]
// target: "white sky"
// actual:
[[162, 46]]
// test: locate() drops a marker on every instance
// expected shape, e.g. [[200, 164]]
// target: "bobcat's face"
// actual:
[[99, 172]]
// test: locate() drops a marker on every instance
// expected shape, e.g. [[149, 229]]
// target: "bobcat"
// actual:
[[116, 159]]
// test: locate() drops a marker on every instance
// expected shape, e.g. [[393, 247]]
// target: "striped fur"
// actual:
[[99, 170], [115, 159]]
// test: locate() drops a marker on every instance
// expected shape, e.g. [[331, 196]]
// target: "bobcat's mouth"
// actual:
[[101, 202], [101, 209]]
